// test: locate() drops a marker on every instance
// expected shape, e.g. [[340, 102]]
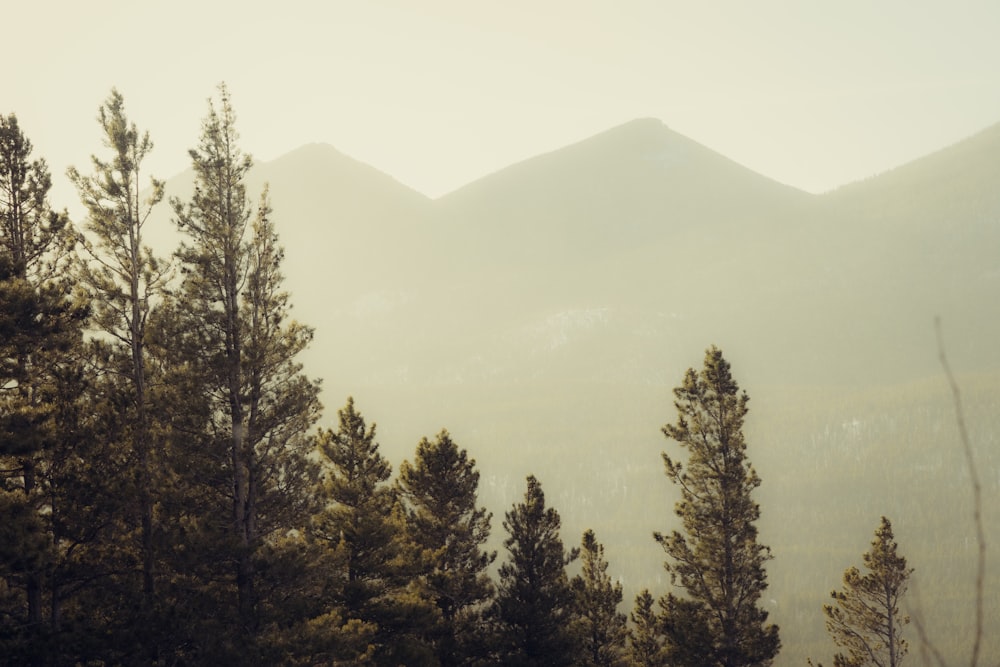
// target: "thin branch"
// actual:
[[976, 492]]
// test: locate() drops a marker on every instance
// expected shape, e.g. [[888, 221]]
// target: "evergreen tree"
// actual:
[[362, 525], [645, 636], [717, 561], [90, 581], [602, 627], [233, 347], [39, 333], [440, 488], [865, 619], [33, 236], [534, 609], [125, 279]]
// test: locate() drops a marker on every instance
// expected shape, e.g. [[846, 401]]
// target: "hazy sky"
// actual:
[[440, 92]]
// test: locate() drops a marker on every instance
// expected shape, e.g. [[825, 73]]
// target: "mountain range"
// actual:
[[543, 314]]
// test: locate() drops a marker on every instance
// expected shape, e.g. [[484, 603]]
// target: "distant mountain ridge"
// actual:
[[643, 220]]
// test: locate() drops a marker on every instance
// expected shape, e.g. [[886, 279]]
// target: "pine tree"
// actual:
[[602, 627], [865, 618], [31, 232], [41, 325], [645, 636], [233, 346], [90, 584], [718, 561], [125, 280], [534, 609], [440, 488], [362, 525]]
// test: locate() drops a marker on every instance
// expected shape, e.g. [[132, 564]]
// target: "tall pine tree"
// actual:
[[717, 560], [125, 280], [230, 332]]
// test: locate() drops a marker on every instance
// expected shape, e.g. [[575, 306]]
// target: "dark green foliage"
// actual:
[[601, 627], [535, 610], [717, 561], [865, 619], [440, 490]]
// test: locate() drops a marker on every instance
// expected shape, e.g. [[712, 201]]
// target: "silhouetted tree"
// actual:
[[717, 561]]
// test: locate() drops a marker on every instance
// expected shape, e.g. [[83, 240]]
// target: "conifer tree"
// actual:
[[125, 279], [645, 637], [717, 561], [41, 325], [440, 489], [602, 627], [362, 524], [534, 610], [865, 619], [90, 587], [231, 340]]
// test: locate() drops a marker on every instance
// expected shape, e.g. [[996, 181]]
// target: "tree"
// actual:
[[361, 525], [41, 324], [30, 230], [534, 608], [125, 279], [440, 488], [230, 334], [717, 562], [865, 618], [645, 636], [602, 627]]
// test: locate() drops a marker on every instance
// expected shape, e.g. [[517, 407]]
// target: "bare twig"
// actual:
[[976, 495]]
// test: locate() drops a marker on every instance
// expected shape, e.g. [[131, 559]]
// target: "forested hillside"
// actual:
[[178, 486]]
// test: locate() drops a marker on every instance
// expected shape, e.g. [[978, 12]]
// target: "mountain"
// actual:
[[544, 313], [919, 241]]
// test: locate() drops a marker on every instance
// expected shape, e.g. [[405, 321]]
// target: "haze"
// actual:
[[524, 221], [438, 93]]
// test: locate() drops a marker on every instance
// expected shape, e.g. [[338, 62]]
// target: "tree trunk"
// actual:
[[33, 582]]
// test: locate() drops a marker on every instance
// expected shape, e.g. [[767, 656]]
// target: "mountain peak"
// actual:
[[641, 155]]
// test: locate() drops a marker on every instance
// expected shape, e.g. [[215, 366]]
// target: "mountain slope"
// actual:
[[633, 184]]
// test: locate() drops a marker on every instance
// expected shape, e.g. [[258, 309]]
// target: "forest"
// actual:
[[168, 495]]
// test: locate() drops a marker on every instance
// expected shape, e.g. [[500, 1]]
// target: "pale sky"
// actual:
[[437, 93]]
